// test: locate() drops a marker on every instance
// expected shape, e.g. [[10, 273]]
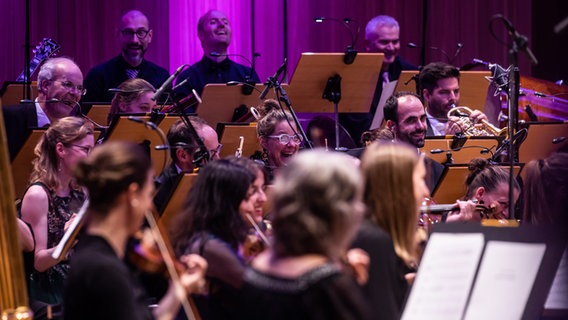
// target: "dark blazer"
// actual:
[[19, 120], [165, 184], [434, 171]]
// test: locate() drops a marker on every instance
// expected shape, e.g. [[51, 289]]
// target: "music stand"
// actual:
[[440, 148], [177, 199], [96, 112], [353, 83], [539, 142], [451, 186], [465, 267], [13, 92], [229, 134], [220, 101], [123, 129]]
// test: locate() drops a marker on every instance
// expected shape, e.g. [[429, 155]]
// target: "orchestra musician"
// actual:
[[439, 85], [132, 96], [118, 177], [60, 86], [278, 136], [212, 226], [300, 276], [52, 199]]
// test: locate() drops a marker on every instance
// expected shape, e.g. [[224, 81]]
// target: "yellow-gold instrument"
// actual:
[[483, 129]]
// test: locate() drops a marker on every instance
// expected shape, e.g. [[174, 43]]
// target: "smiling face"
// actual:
[[132, 45], [214, 30], [256, 198], [384, 39], [280, 154], [411, 121], [66, 85]]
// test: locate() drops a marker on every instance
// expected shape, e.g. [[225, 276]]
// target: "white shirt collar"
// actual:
[[42, 119], [438, 127]]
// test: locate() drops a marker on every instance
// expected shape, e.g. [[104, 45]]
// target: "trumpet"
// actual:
[[486, 129]]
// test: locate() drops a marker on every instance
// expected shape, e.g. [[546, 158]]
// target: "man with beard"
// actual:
[[406, 119], [382, 34], [134, 35], [439, 84], [60, 86], [214, 32]]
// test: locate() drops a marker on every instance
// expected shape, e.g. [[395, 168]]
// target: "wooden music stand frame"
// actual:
[[175, 202], [471, 148], [219, 101], [473, 87], [229, 134], [538, 144]]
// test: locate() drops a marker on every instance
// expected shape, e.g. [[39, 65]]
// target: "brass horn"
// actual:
[[486, 128]]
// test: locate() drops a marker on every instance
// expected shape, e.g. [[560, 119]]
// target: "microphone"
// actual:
[[414, 46], [270, 81], [75, 110], [517, 139], [557, 140], [350, 52], [246, 90], [520, 40], [167, 83]]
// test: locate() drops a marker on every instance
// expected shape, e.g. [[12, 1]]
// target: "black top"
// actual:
[[321, 293], [166, 184], [99, 285], [112, 73], [208, 71], [386, 289], [357, 123]]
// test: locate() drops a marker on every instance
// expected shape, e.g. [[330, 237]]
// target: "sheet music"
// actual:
[[505, 280], [445, 277], [388, 90]]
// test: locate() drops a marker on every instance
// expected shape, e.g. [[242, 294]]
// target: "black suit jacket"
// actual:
[[165, 184], [19, 120], [434, 171]]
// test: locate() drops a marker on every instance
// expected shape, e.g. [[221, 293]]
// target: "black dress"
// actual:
[[100, 286], [321, 293]]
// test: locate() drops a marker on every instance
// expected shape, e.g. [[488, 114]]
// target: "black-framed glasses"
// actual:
[[70, 86], [140, 33], [215, 151], [286, 138], [85, 149]]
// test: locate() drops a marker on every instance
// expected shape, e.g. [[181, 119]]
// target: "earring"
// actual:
[[264, 156]]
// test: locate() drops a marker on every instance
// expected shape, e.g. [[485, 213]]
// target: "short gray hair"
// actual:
[[48, 68], [378, 21]]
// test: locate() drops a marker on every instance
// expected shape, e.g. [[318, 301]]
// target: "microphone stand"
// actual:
[[272, 82], [201, 155]]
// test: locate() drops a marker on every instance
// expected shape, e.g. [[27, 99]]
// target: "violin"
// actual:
[[255, 242]]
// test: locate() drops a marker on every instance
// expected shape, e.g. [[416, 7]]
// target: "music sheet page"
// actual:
[[505, 280], [445, 277]]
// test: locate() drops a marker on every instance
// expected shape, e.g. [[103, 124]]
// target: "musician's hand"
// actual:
[[454, 125], [476, 116], [468, 212], [193, 278], [359, 261], [69, 222]]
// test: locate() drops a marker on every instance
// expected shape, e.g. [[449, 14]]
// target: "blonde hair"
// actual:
[[387, 173], [129, 91], [46, 164]]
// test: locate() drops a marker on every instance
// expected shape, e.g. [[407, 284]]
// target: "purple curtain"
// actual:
[[276, 29]]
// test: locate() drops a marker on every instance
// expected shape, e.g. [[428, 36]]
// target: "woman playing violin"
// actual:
[[118, 176], [212, 226]]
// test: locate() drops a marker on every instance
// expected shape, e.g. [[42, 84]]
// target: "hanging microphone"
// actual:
[[167, 83], [520, 40], [246, 90], [270, 81], [350, 52], [414, 46], [558, 140], [75, 110]]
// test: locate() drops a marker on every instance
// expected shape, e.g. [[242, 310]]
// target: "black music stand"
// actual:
[[353, 83]]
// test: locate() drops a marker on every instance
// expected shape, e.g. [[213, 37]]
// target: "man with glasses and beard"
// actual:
[[134, 35]]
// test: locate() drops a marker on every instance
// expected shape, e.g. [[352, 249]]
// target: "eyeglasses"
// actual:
[[140, 33], [85, 149], [286, 138], [212, 153], [70, 86]]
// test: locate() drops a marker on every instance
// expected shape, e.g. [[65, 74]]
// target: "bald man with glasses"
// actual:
[[134, 35]]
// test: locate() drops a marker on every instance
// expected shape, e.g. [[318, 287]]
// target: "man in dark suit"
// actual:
[[382, 34], [60, 86], [406, 119], [134, 35]]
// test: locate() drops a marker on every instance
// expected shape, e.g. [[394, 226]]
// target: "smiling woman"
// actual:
[[278, 136]]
